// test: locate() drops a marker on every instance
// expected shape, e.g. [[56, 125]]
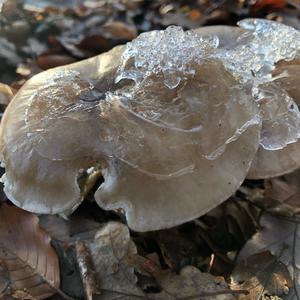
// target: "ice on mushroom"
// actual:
[[173, 131], [265, 46], [253, 53], [274, 163]]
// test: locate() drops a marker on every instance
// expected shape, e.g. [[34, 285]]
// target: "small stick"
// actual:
[[86, 269]]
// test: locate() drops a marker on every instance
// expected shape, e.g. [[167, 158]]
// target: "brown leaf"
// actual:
[[270, 4], [57, 227], [261, 274], [54, 60], [77, 227], [280, 196], [282, 239], [190, 283], [25, 251], [119, 30], [176, 247], [112, 253], [116, 262]]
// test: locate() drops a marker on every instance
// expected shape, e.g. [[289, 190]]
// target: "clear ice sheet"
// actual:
[[171, 52], [253, 61]]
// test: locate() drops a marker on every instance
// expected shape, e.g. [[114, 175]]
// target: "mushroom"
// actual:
[[257, 53], [276, 87], [173, 131], [269, 163], [45, 108]]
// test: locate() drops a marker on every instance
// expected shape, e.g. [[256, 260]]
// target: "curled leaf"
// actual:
[[26, 253]]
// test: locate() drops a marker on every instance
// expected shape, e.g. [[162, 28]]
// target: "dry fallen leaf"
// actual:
[[46, 62], [261, 274], [116, 263], [26, 254], [280, 195], [119, 30], [282, 239], [77, 227], [112, 252], [190, 283]]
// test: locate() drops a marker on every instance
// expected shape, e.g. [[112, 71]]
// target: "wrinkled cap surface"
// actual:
[[173, 131]]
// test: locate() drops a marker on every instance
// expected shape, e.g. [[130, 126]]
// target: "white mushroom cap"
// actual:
[[173, 142], [34, 181]]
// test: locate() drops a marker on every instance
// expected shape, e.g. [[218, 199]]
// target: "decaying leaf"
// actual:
[[280, 195], [57, 227], [282, 239], [115, 261], [190, 283], [26, 254], [112, 254], [261, 274], [77, 227], [71, 282]]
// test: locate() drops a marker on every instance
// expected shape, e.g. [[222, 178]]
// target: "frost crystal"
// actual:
[[257, 51], [253, 60], [171, 52]]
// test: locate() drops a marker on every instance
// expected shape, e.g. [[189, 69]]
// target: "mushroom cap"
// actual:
[[32, 181], [271, 163], [172, 143], [261, 46]]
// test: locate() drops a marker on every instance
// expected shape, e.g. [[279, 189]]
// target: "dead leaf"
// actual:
[[46, 62], [176, 247], [282, 239], [25, 251], [77, 227], [119, 30], [57, 227], [280, 196], [70, 278], [261, 274], [270, 4], [116, 262], [9, 52], [190, 283], [112, 252]]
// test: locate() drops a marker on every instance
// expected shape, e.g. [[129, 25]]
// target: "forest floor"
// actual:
[[246, 248]]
